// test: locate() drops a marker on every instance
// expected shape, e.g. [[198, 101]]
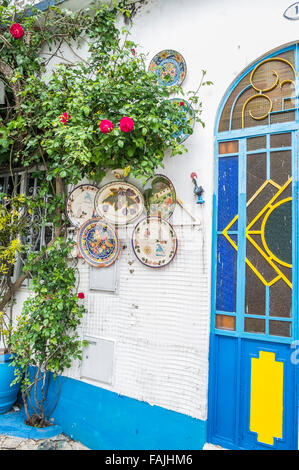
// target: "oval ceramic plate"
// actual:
[[159, 196], [190, 117], [98, 243], [80, 204], [119, 202], [154, 242], [170, 67]]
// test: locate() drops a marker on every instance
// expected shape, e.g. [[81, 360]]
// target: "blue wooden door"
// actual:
[[253, 360]]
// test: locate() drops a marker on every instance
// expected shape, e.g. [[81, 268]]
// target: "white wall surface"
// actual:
[[159, 319]]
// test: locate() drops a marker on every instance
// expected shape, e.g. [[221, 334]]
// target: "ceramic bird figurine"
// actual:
[[198, 190]]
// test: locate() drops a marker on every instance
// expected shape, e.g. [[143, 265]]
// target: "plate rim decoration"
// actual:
[[176, 238], [180, 81], [185, 136], [80, 234], [172, 185], [122, 183], [67, 199]]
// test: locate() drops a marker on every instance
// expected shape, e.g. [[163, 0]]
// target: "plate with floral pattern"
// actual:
[[119, 202], [80, 204], [154, 242], [186, 107], [170, 67], [159, 196], [98, 243]]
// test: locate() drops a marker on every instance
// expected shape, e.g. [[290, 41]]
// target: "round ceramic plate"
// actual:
[[154, 242], [119, 202], [98, 243], [159, 196], [190, 117], [80, 204], [170, 67]]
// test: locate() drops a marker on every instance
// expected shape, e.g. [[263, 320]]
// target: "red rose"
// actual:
[[81, 295], [106, 126], [182, 103], [133, 51], [16, 30], [126, 124], [64, 118]]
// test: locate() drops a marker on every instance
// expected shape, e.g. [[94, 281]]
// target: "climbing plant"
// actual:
[[45, 337], [80, 101]]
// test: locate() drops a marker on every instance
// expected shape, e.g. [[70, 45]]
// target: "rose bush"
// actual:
[[117, 114]]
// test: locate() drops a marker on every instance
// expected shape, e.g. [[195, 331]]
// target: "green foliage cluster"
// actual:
[[111, 83], [45, 335]]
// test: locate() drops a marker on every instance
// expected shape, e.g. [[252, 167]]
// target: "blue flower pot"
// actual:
[[8, 394]]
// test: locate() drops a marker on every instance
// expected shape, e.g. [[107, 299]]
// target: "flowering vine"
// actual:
[[94, 114]]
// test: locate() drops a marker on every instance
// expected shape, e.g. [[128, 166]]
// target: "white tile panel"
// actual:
[[159, 321]]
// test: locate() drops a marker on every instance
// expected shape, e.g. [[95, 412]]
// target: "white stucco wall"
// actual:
[[159, 319]]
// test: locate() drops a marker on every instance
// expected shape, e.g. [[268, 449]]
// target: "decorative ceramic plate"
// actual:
[[170, 67], [159, 196], [80, 204], [98, 243], [190, 117], [154, 242], [119, 202]]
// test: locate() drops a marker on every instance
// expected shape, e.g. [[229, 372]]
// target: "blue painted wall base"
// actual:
[[13, 424], [101, 419]]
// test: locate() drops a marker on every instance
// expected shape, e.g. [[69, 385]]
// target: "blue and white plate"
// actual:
[[154, 242], [80, 204], [98, 243], [170, 67], [190, 117], [119, 202]]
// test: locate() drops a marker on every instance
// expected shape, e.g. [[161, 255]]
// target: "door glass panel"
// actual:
[[229, 147], [280, 328], [281, 140], [280, 300], [283, 116], [255, 294], [225, 322], [256, 172], [257, 202], [227, 192], [226, 274], [254, 325], [281, 166], [268, 284], [256, 143]]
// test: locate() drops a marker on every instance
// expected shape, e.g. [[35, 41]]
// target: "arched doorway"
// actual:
[[254, 320]]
